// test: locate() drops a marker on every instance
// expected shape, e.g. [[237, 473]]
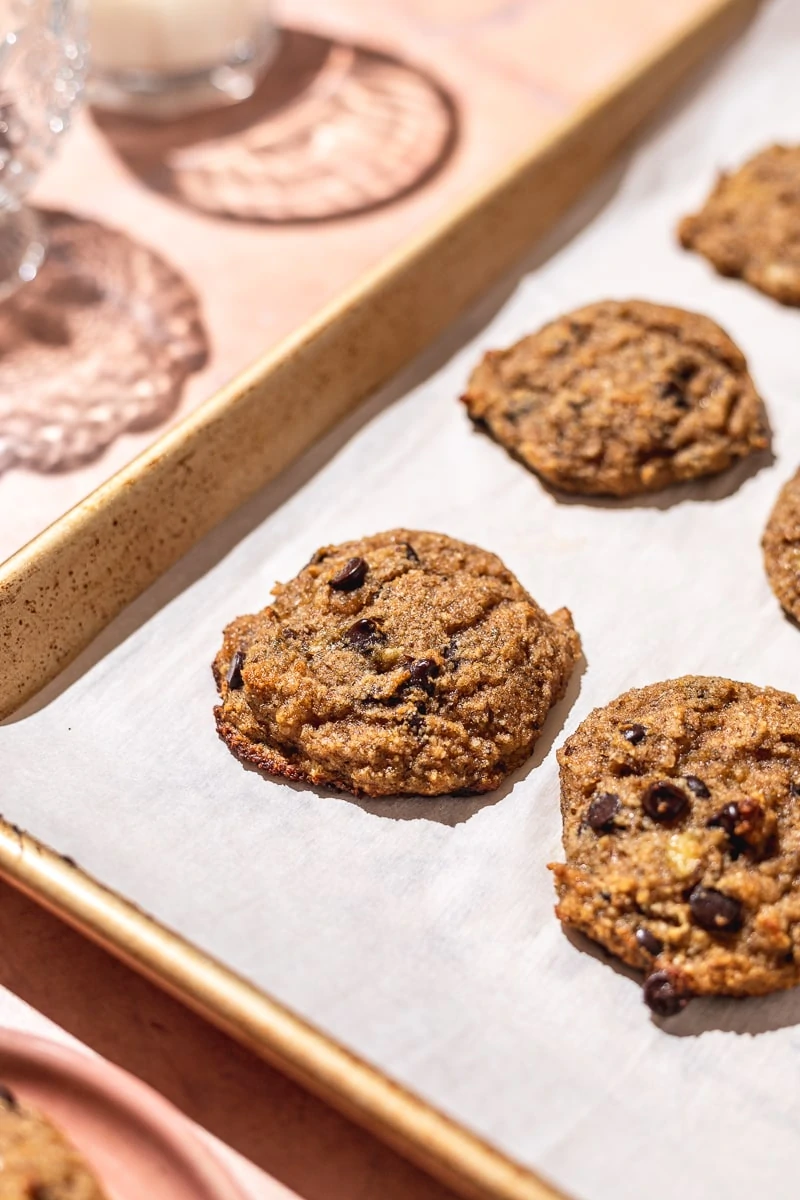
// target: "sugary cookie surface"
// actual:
[[621, 398], [406, 662], [750, 224], [681, 811], [781, 545], [36, 1161]]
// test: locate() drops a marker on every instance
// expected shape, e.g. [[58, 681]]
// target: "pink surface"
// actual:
[[513, 69], [278, 1140], [136, 1143]]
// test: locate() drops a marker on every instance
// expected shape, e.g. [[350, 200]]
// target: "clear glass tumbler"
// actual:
[[168, 58], [42, 69]]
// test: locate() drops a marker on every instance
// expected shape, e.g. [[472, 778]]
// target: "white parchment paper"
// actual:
[[422, 934]]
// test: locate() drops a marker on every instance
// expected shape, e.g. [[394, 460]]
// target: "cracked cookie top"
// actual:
[[406, 662], [750, 224], [621, 398]]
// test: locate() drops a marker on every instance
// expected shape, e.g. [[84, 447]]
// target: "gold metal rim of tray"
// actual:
[[60, 590]]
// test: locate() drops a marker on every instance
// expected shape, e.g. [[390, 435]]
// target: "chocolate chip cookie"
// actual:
[[781, 545], [36, 1161], [406, 662], [620, 398], [750, 224], [681, 810]]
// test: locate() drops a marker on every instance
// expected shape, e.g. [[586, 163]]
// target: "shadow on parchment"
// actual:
[[709, 488], [722, 1014], [334, 130]]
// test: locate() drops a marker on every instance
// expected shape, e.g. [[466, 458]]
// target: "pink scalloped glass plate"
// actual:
[[135, 1141]]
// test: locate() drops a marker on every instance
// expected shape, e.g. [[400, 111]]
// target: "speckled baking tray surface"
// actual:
[[421, 934]]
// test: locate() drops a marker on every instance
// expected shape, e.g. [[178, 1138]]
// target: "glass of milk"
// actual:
[[167, 58]]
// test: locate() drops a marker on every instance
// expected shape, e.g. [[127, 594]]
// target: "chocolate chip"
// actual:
[[634, 734], [350, 577], [664, 802], [742, 820], [673, 391], [648, 941], [794, 790], [363, 635], [7, 1097], [411, 552], [422, 672], [697, 786], [664, 995], [601, 812], [235, 680], [686, 371], [714, 911]]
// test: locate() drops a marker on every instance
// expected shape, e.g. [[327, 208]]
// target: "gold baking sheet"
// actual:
[[65, 586]]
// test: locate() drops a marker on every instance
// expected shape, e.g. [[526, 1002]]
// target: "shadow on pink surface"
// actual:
[[335, 130]]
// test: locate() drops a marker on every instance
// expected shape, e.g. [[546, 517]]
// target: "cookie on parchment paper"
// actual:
[[749, 226], [681, 811], [781, 546], [621, 398], [403, 663]]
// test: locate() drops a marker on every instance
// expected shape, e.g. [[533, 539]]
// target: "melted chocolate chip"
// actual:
[[664, 802], [601, 812], [422, 672], [794, 789], [675, 387], [697, 786], [664, 995], [742, 820], [672, 390], [714, 911], [634, 734], [363, 635], [235, 680], [350, 577], [648, 941], [7, 1097], [411, 552]]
